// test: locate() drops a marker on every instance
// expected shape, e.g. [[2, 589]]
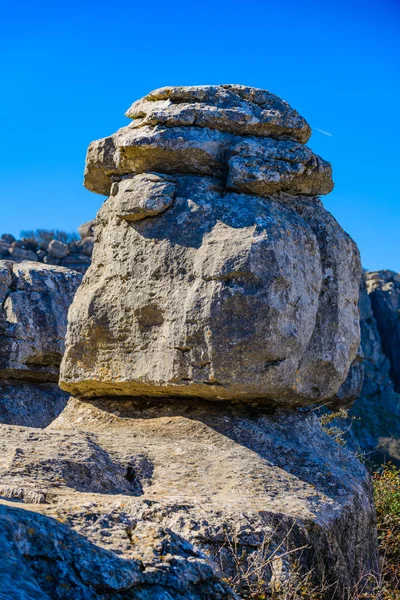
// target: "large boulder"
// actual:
[[55, 563], [228, 282], [35, 299], [33, 320], [232, 482]]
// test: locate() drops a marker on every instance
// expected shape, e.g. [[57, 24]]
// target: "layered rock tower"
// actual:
[[216, 273], [222, 297]]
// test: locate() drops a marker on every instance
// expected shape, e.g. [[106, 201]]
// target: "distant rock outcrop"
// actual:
[[377, 408], [34, 302], [74, 254]]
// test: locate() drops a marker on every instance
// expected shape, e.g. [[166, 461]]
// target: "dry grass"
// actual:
[[274, 572]]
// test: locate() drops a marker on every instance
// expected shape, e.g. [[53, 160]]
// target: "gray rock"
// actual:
[[35, 299], [377, 408], [221, 296], [30, 404], [57, 249], [143, 196], [215, 477], [7, 238], [264, 167], [87, 229], [199, 292], [57, 563], [85, 246], [76, 262], [21, 254], [384, 291], [51, 260], [236, 109], [202, 151]]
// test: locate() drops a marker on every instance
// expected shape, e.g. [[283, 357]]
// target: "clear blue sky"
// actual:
[[70, 70]]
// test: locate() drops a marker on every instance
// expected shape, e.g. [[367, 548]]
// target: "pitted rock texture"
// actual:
[[221, 295], [55, 563], [234, 108], [212, 477], [33, 318], [377, 408], [34, 300], [256, 165], [217, 273], [248, 137]]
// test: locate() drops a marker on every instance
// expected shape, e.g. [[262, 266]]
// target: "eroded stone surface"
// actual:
[[234, 108], [33, 319], [273, 165], [222, 295], [377, 408], [54, 562], [213, 475]]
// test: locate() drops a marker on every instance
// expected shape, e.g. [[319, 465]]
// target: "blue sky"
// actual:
[[70, 71]]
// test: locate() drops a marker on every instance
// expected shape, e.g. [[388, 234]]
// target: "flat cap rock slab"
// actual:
[[34, 300], [221, 295], [274, 165], [233, 108], [144, 480]]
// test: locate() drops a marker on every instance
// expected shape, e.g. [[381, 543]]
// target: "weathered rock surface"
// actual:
[[377, 408], [232, 281], [33, 320], [217, 274], [215, 475], [223, 295], [43, 559], [234, 108], [256, 165]]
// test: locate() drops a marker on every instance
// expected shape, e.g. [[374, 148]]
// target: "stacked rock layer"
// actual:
[[217, 273]]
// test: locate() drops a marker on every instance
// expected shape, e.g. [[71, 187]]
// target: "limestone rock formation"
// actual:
[[384, 291], [33, 320], [217, 272], [224, 478], [377, 408], [217, 275]]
